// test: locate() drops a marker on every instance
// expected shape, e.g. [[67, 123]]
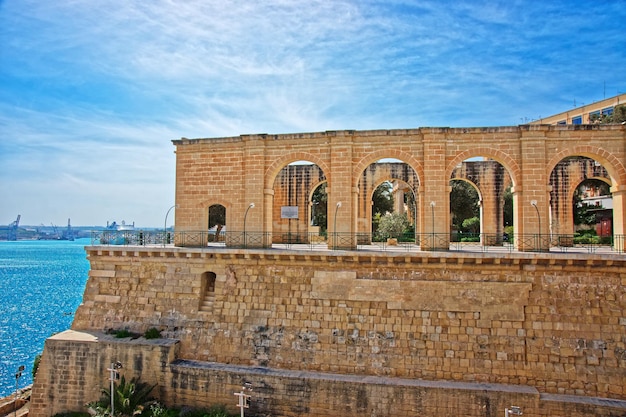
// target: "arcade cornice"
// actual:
[[403, 132], [514, 260]]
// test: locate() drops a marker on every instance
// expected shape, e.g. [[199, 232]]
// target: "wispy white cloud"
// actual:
[[91, 93]]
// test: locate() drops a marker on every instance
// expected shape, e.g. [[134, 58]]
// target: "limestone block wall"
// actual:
[[73, 368], [62, 386], [549, 321]]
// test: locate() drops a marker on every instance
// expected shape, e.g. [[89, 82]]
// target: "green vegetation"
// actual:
[[123, 333], [618, 116], [129, 398], [464, 205], [152, 333], [36, 365], [393, 225]]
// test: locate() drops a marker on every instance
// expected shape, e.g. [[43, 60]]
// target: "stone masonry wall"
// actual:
[[549, 321], [65, 383], [73, 368]]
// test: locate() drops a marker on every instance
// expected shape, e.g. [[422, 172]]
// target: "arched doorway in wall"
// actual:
[[207, 291], [394, 212], [592, 206], [465, 212], [299, 201], [217, 223], [318, 203], [388, 191], [579, 191], [479, 187]]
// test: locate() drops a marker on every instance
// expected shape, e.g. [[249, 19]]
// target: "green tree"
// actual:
[[618, 116], [392, 225], [583, 214], [382, 203], [319, 205], [463, 203], [382, 200]]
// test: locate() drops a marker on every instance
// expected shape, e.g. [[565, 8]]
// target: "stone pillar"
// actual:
[[341, 201], [619, 216], [253, 185], [533, 208], [436, 202]]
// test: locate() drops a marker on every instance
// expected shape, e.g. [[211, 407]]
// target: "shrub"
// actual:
[[392, 225], [36, 365], [129, 398], [152, 333]]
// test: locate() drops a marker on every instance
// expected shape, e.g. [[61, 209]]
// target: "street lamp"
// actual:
[[245, 241], [432, 211], [18, 375], [113, 376], [165, 224], [244, 399], [335, 225], [534, 204], [513, 411]]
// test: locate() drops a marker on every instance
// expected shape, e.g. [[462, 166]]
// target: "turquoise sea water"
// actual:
[[41, 285]]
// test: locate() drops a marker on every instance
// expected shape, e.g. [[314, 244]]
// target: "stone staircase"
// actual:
[[207, 303]]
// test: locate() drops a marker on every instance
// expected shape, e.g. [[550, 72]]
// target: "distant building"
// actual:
[[584, 114]]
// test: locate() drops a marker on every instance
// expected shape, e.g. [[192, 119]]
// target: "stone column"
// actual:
[[341, 202], [531, 211], [619, 216], [435, 206]]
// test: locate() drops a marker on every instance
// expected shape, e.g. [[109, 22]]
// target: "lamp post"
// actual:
[[534, 204], [113, 376], [245, 240], [335, 221], [432, 211], [244, 399], [18, 375], [165, 224]]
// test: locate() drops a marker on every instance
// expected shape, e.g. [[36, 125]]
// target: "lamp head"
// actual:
[[533, 203], [251, 205], [432, 204], [338, 204]]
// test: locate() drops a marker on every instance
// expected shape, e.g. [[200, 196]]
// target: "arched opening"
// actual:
[[592, 207], [299, 209], [217, 223], [579, 194], [465, 212], [207, 291], [318, 227], [393, 212], [387, 202], [479, 209]]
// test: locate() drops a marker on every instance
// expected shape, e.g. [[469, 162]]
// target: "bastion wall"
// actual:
[[350, 333]]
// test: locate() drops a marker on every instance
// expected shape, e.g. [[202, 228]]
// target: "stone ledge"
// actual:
[[483, 259], [355, 379], [591, 401]]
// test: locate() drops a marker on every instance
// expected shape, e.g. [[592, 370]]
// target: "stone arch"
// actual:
[[382, 154], [272, 171], [314, 187], [387, 171], [611, 163], [207, 291], [509, 163], [206, 204], [491, 198]]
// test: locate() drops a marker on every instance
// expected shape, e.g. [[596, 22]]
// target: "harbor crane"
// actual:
[[12, 230]]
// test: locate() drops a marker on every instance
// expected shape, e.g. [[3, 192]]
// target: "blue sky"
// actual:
[[93, 92]]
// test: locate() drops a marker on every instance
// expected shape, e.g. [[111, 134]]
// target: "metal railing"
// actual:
[[483, 242]]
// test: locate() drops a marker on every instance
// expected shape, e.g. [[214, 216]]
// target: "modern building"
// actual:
[[584, 114]]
